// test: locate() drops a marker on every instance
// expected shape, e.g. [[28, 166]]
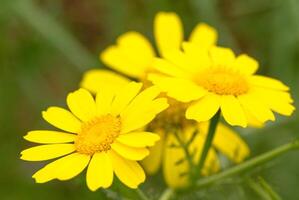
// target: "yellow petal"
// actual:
[[142, 115], [187, 63], [168, 68], [222, 56], [104, 100], [205, 108], [204, 35], [46, 152], [266, 82], [277, 101], [124, 97], [180, 89], [228, 142], [175, 165], [175, 175], [195, 59], [142, 109], [82, 104], [129, 172], [128, 152], [99, 172], [138, 139], [143, 99], [212, 163], [152, 163], [252, 121], [97, 80], [132, 55], [168, 31], [256, 107], [46, 137], [232, 111], [62, 119], [246, 64], [63, 169]]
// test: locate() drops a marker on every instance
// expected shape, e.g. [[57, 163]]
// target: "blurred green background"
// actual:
[[46, 45]]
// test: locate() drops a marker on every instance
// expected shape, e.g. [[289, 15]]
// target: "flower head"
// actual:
[[102, 134], [133, 54], [214, 78]]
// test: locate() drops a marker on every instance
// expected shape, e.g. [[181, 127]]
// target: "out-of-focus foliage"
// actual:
[[46, 45]]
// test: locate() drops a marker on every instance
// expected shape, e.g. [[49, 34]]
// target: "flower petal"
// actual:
[[168, 68], [246, 64], [99, 172], [141, 116], [132, 55], [63, 169], [168, 31], [152, 163], [266, 82], [62, 119], [256, 107], [277, 101], [104, 101], [47, 137], [195, 59], [175, 175], [228, 142], [124, 97], [222, 56], [129, 172], [130, 153], [232, 111], [205, 108], [138, 139], [180, 89], [98, 79], [204, 35], [47, 152], [82, 104]]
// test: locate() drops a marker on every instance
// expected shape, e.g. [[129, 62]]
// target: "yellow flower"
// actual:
[[133, 54], [214, 78], [103, 134]]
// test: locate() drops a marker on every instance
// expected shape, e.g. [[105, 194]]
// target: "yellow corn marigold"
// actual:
[[133, 54], [214, 78], [103, 135]]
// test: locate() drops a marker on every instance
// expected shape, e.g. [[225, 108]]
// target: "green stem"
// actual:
[[167, 194], [186, 151], [268, 189], [209, 140], [141, 194], [257, 189], [247, 165]]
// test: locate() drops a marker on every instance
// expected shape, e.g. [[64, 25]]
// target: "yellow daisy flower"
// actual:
[[103, 134], [214, 79], [133, 54]]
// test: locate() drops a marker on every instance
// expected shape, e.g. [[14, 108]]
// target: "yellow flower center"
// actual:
[[223, 81], [98, 134]]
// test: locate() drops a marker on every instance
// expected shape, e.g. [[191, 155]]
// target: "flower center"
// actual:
[[98, 134], [223, 81]]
